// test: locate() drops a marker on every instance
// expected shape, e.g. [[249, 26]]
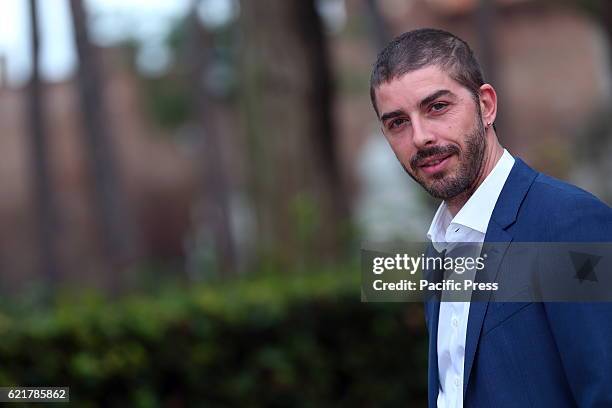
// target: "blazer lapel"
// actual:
[[504, 215], [479, 304]]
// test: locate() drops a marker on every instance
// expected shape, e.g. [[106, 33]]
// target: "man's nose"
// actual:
[[422, 136]]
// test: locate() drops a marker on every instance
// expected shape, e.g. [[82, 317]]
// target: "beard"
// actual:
[[443, 185]]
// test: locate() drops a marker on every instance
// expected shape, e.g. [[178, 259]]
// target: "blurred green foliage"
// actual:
[[307, 215], [168, 101], [274, 340]]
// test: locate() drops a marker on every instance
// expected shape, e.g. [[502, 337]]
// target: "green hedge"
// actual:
[[284, 340]]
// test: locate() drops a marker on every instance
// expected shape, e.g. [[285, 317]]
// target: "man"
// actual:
[[437, 114]]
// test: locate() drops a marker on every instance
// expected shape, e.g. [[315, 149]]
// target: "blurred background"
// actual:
[[185, 186]]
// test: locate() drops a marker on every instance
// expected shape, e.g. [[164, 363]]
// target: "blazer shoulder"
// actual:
[[568, 213], [563, 195]]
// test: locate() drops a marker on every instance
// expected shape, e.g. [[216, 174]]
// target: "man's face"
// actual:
[[434, 127]]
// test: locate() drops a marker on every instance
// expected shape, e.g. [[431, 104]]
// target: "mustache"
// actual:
[[432, 151]]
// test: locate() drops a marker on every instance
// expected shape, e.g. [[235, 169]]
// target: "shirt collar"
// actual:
[[476, 212]]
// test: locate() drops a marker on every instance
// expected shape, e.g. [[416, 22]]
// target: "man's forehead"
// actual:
[[411, 89], [420, 82]]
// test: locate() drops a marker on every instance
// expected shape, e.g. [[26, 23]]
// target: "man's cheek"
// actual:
[[407, 158], [402, 151], [399, 152], [404, 159]]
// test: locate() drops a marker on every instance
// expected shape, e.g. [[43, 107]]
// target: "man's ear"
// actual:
[[488, 104]]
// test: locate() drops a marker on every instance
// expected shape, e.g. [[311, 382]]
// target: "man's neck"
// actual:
[[491, 157]]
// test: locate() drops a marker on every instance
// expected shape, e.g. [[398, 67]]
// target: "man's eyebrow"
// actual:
[[426, 101], [390, 115]]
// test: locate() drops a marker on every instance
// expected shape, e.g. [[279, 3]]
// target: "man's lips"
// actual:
[[434, 164]]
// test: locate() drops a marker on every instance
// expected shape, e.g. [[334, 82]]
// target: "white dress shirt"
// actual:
[[469, 225]]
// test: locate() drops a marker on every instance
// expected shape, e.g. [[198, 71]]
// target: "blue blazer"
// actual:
[[529, 354]]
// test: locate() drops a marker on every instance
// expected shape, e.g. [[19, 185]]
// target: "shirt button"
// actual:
[[457, 382], [455, 322]]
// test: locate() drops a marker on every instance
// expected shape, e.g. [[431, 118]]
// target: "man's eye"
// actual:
[[438, 106], [395, 123]]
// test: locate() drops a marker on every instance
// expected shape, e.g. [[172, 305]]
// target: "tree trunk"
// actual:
[[297, 188], [44, 198], [377, 24], [215, 203], [3, 74], [485, 19], [116, 229], [606, 22]]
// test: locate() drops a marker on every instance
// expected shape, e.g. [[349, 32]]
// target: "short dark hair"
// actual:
[[424, 47]]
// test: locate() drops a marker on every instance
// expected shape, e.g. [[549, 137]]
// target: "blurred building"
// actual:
[[159, 178], [550, 65]]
